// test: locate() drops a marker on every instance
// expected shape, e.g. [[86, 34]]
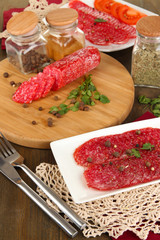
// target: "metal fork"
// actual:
[[13, 157]]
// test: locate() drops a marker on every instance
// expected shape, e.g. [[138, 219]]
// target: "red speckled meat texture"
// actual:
[[98, 153], [73, 66], [26, 92], [122, 173], [101, 33]]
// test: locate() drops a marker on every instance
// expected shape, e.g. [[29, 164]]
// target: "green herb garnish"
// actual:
[[152, 103], [147, 146], [135, 152], [84, 94], [99, 20]]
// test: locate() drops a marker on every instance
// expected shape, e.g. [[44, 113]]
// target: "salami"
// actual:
[[26, 92], [122, 173], [73, 66], [121, 160], [101, 28], [58, 74], [107, 148]]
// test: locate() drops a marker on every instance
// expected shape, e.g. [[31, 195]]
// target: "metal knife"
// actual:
[[9, 171]]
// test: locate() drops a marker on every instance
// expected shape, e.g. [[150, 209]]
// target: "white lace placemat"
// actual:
[[41, 8], [137, 210]]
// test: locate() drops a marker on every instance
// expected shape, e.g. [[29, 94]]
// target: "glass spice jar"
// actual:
[[25, 46], [146, 52], [63, 36]]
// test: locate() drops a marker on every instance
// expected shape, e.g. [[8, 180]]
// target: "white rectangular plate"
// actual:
[[115, 47], [73, 174]]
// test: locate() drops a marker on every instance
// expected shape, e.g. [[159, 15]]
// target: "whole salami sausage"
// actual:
[[73, 66], [58, 74]]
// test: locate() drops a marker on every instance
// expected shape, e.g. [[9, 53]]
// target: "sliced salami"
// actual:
[[108, 148], [112, 31], [123, 173], [58, 74], [73, 66], [41, 85], [26, 92]]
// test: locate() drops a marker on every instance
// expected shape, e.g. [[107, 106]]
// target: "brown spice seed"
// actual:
[[89, 159], [121, 168], [34, 122], [148, 164], [107, 143], [40, 108], [56, 98], [25, 105], [6, 74], [116, 154]]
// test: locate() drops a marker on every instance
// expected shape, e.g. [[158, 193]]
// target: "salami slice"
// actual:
[[106, 30], [123, 173], [137, 159], [73, 66], [26, 92], [41, 85], [108, 148]]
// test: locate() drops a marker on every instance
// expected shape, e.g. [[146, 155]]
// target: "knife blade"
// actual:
[[10, 172]]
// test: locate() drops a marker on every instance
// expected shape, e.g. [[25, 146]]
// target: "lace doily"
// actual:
[[137, 210], [41, 8]]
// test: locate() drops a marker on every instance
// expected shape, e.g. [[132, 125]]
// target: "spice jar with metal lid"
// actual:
[[25, 46], [146, 52], [63, 36]]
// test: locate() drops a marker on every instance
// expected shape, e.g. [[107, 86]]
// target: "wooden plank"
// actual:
[[110, 77]]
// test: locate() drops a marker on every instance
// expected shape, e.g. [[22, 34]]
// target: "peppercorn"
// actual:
[[56, 98], [34, 122], [86, 108], [148, 164], [138, 132], [6, 74], [25, 105], [50, 122], [116, 154], [40, 108], [128, 151], [121, 168], [89, 159], [107, 143]]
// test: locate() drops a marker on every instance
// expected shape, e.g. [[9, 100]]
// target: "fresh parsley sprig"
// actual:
[[86, 94], [146, 146], [152, 103]]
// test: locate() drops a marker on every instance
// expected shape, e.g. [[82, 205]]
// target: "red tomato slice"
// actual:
[[115, 8], [98, 5], [129, 15], [103, 5]]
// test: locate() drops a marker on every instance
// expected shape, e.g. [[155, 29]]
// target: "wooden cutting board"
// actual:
[[111, 79]]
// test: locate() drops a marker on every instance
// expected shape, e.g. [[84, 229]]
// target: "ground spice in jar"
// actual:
[[63, 36], [146, 52]]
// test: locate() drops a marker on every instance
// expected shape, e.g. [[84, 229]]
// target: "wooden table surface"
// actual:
[[20, 218]]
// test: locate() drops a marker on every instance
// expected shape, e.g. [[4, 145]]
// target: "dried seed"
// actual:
[[25, 105], [56, 98], [107, 143], [34, 122], [89, 159], [6, 74], [116, 154], [40, 108]]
